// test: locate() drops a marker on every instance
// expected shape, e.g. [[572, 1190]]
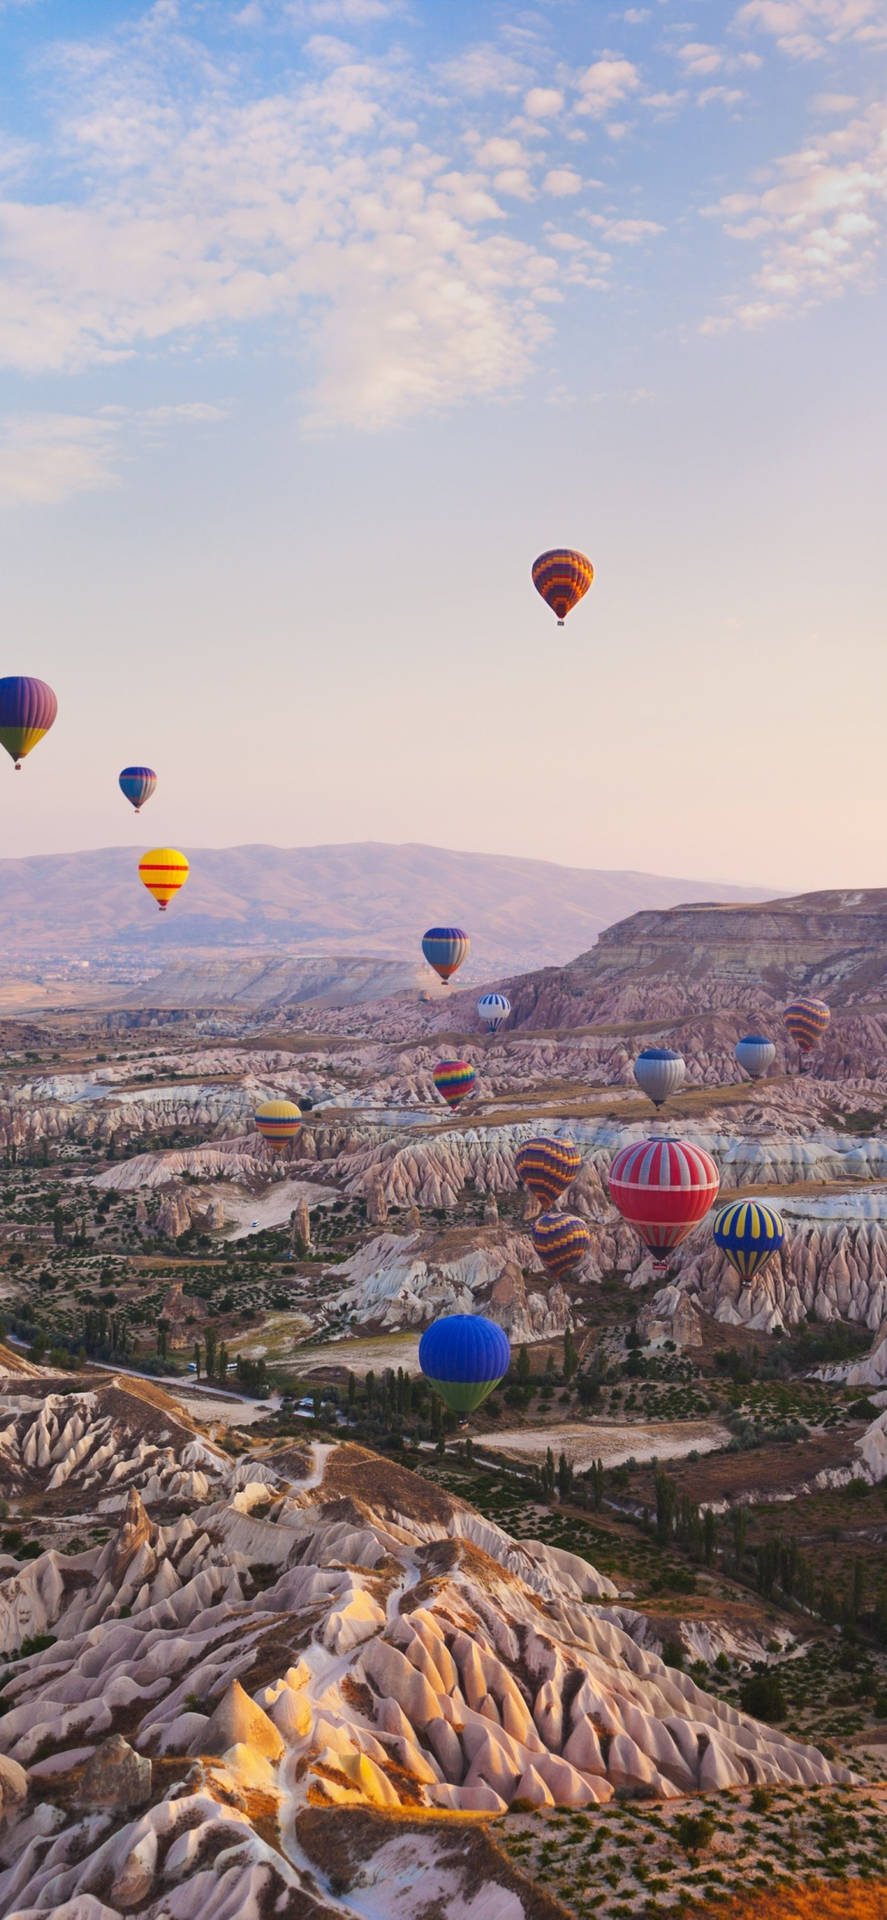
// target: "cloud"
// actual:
[[562, 181], [828, 104], [47, 458], [483, 69], [725, 96], [626, 233], [817, 224], [604, 84], [542, 102], [698, 57], [314, 211], [805, 28]]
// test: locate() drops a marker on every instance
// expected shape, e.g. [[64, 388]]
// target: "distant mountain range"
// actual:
[[367, 899]]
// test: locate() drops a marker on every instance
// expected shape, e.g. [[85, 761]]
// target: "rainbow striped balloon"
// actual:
[[27, 711], [547, 1166], [561, 1241], [748, 1232], [454, 1080], [562, 576], [163, 871], [278, 1122], [806, 1021]]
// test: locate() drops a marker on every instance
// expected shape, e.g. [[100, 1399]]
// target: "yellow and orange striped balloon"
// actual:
[[278, 1122], [163, 871]]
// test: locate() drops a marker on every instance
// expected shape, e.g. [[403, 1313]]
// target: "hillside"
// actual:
[[694, 959], [361, 899]]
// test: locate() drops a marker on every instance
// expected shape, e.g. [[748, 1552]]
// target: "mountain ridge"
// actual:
[[368, 898]]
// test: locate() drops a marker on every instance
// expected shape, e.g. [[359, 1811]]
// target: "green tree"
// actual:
[[523, 1366]]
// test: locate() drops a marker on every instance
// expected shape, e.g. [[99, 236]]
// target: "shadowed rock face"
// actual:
[[690, 959], [399, 1652]]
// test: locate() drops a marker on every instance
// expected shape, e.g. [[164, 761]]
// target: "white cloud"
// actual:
[[352, 13], [725, 96], [605, 83], [484, 69], [698, 57], [626, 233], [193, 211], [828, 104], [47, 458], [562, 181], [804, 28], [636, 16], [542, 102], [818, 223]]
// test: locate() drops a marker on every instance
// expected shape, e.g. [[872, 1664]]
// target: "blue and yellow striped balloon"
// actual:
[[748, 1232]]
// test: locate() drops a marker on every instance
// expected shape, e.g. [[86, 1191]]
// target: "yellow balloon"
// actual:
[[163, 871], [278, 1122]]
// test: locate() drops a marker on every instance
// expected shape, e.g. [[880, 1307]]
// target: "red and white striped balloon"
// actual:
[[663, 1188]]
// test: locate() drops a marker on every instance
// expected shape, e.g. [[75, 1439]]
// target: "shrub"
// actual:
[[761, 1694]]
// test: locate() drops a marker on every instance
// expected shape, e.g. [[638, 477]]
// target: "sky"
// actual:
[[319, 319]]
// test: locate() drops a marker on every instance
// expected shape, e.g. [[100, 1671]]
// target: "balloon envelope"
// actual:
[[662, 1188], [806, 1021], [445, 949], [464, 1356], [562, 576], [163, 871], [561, 1241], [278, 1122], [454, 1080], [755, 1054], [27, 711], [493, 1009], [748, 1232], [137, 785], [547, 1166], [659, 1073]]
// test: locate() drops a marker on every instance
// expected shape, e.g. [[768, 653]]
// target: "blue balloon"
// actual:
[[137, 785], [464, 1356]]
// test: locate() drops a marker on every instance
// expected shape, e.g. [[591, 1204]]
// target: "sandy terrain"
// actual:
[[612, 1441]]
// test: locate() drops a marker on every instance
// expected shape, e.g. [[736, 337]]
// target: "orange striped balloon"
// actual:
[[163, 871]]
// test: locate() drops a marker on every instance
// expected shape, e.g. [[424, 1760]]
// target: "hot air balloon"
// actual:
[[562, 576], [445, 949], [278, 1122], [561, 1240], [454, 1080], [747, 1232], [755, 1055], [662, 1188], [137, 785], [547, 1166], [163, 871], [464, 1356], [493, 1009], [659, 1073], [806, 1021], [27, 711]]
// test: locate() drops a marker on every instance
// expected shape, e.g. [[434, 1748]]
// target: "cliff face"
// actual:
[[710, 958]]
